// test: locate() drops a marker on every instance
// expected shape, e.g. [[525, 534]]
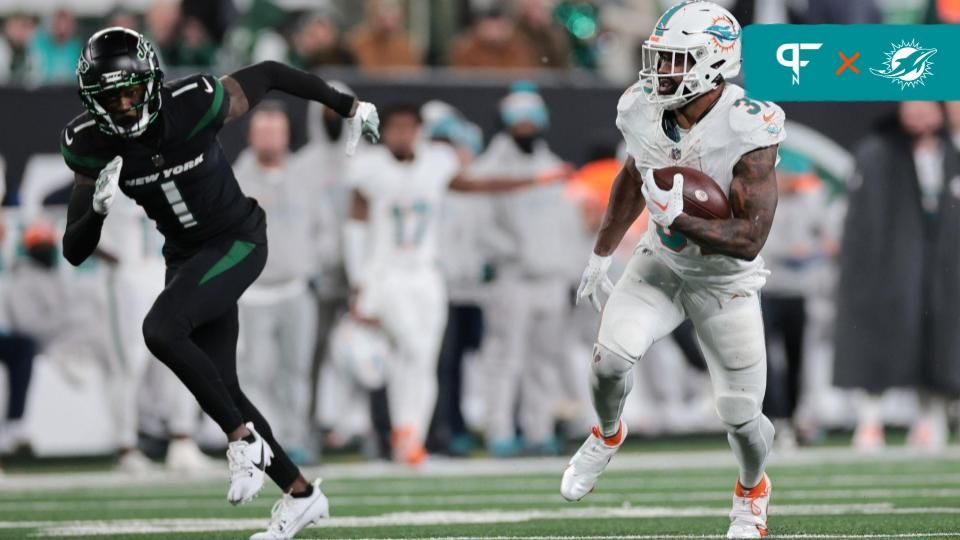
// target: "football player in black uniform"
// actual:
[[157, 142]]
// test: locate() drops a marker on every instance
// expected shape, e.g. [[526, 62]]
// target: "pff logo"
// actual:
[[907, 64], [794, 62]]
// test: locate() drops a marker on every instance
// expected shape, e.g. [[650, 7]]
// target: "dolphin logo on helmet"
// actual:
[[706, 37]]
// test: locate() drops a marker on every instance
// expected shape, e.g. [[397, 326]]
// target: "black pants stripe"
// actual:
[[193, 329]]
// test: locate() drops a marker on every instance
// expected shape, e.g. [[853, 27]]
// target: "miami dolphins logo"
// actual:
[[723, 32], [907, 64]]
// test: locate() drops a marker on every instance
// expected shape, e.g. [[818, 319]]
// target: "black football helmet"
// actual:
[[113, 61]]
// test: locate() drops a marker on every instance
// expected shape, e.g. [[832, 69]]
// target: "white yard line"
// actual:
[[638, 483], [638, 461], [159, 526], [677, 537], [635, 483], [643, 496]]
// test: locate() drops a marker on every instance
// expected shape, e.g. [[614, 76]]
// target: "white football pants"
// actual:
[[648, 302]]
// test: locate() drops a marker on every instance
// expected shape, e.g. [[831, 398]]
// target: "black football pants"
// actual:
[[193, 328]]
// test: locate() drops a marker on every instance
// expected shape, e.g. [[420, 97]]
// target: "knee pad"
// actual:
[[736, 410], [608, 364]]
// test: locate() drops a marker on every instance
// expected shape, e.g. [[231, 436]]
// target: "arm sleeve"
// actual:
[[258, 79], [83, 225]]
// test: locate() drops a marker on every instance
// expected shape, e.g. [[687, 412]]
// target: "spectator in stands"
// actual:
[[942, 12], [953, 122], [535, 266], [215, 16], [64, 320], [278, 316], [124, 18], [796, 250], [162, 20], [492, 42], [317, 42], [628, 23], [581, 19], [18, 29], [467, 271], [381, 41], [54, 49], [898, 309], [807, 12], [324, 162], [548, 40], [196, 46], [16, 352]]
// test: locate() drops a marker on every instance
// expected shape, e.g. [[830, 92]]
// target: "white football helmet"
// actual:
[[704, 31], [360, 351]]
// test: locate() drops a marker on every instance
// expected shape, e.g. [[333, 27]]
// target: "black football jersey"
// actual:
[[176, 170]]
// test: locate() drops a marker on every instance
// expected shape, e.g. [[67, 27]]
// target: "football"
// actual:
[[702, 197]]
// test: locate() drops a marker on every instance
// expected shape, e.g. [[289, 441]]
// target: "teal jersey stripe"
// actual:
[[662, 23]]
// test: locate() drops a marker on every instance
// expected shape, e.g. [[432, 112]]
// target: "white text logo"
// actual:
[[794, 62]]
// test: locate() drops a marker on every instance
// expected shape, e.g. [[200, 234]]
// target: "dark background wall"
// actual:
[[582, 115]]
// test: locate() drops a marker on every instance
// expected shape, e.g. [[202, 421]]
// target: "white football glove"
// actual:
[[664, 205], [593, 275], [106, 188], [365, 122]]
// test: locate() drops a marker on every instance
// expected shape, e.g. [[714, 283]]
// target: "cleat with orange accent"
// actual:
[[748, 519], [407, 447], [868, 438], [586, 466]]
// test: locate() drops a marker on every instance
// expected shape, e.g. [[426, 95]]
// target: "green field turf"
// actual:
[[829, 493]]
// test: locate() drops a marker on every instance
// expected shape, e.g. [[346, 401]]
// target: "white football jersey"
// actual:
[[735, 126], [404, 201]]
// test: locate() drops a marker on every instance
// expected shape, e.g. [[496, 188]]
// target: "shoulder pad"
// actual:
[[81, 146], [199, 83], [757, 123], [202, 102], [633, 104]]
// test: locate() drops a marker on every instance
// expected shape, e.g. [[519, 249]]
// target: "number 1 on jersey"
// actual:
[[177, 205]]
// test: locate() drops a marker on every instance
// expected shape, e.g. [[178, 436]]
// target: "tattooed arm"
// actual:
[[753, 199]]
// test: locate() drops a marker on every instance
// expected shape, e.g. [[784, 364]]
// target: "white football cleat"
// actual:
[[134, 462], [588, 463], [183, 455], [247, 461], [291, 514], [748, 519]]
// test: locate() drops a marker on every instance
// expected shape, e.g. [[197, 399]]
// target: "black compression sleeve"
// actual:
[[258, 79], [83, 225]]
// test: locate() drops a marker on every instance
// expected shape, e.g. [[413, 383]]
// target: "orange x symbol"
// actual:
[[848, 63]]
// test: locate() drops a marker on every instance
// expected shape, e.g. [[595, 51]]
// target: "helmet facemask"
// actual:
[[700, 41], [695, 78], [115, 64], [97, 100]]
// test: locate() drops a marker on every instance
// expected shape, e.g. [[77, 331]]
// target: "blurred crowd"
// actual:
[[597, 36], [862, 294], [510, 374]]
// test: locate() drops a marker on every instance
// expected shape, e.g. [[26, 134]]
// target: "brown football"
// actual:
[[702, 197]]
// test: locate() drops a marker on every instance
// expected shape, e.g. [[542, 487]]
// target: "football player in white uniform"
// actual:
[[683, 112], [392, 265]]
